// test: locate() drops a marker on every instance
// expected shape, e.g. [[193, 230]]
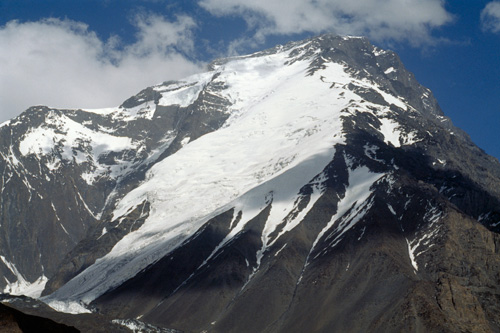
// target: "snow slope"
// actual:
[[282, 131], [270, 131]]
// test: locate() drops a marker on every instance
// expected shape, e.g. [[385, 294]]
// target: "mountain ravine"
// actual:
[[312, 187]]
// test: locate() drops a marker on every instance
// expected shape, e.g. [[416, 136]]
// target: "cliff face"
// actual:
[[314, 186], [14, 321]]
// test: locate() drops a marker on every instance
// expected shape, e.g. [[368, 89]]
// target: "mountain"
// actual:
[[315, 186]]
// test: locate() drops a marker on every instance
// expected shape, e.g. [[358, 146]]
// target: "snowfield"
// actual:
[[281, 133]]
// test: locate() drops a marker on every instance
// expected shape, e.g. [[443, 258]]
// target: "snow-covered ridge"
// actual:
[[61, 138], [62, 134], [68, 137], [269, 132], [185, 92]]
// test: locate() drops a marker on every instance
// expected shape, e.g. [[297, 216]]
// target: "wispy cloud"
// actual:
[[62, 63], [490, 17], [385, 21]]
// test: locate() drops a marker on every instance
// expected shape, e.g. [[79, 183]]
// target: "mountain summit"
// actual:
[[315, 186]]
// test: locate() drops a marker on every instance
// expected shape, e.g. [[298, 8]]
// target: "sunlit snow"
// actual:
[[183, 93], [281, 133], [43, 140], [352, 206], [270, 131], [390, 131], [389, 70], [21, 286]]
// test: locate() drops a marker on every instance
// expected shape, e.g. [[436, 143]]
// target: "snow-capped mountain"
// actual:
[[314, 186]]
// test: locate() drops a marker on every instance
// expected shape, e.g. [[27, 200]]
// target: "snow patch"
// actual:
[[5, 123], [66, 306], [138, 326], [281, 249], [102, 111], [391, 209], [411, 253], [371, 152], [389, 129], [21, 286], [362, 233], [389, 70], [423, 239], [352, 207], [73, 141], [442, 162], [183, 93]]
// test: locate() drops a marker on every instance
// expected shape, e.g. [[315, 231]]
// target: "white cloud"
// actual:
[[389, 20], [490, 17], [61, 63]]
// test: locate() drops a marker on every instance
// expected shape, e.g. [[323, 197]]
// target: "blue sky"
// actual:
[[98, 53]]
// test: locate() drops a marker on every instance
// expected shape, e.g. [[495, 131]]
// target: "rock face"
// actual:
[[14, 321], [315, 186]]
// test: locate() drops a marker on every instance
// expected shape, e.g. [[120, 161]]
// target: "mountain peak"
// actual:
[[289, 173]]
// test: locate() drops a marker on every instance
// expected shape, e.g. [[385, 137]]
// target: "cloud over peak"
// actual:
[[62, 63], [391, 20]]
